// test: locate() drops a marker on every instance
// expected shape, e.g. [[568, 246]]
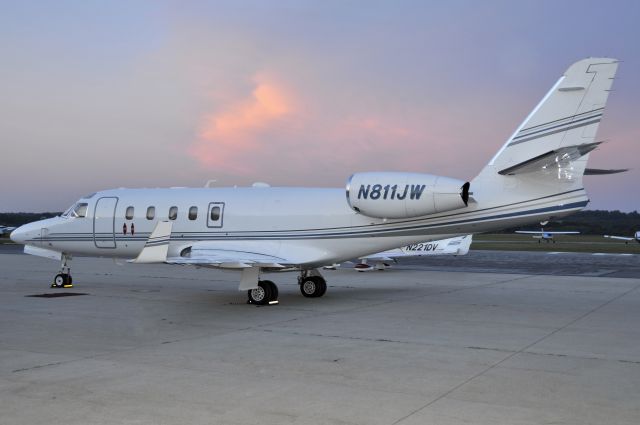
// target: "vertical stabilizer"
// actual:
[[567, 116], [538, 171]]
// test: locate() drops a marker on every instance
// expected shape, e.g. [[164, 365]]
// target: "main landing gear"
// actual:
[[265, 293], [312, 285], [63, 279]]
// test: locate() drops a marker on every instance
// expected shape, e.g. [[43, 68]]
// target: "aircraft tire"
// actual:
[[274, 289], [260, 295], [313, 287], [323, 288], [59, 281]]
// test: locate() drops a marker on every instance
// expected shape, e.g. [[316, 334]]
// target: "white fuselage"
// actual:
[[316, 223]]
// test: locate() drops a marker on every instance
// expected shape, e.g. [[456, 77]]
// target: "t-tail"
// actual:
[[540, 167]]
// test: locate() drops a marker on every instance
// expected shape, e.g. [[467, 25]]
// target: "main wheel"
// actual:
[[322, 288], [274, 289], [260, 295], [313, 287]]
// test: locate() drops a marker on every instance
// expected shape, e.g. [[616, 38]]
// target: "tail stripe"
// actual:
[[566, 127], [562, 121]]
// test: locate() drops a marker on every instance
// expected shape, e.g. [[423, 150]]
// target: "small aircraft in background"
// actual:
[[545, 235], [5, 230], [381, 261], [636, 237]]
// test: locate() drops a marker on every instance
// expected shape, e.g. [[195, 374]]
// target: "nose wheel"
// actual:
[[63, 279]]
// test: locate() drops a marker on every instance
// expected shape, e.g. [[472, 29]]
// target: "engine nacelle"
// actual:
[[404, 195]]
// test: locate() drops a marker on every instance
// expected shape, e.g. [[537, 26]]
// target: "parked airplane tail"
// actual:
[[547, 155]]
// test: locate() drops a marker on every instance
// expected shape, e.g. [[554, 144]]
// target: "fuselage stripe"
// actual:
[[379, 232]]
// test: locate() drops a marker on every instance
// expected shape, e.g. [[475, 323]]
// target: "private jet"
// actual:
[[536, 175]]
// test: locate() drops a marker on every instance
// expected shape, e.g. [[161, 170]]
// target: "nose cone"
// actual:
[[18, 235], [25, 234]]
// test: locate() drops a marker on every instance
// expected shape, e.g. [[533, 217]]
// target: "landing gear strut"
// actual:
[[265, 293], [312, 284], [63, 279]]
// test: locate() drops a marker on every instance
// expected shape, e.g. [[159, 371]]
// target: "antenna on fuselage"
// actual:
[[210, 183]]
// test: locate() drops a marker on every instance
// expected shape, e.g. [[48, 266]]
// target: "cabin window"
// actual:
[[129, 214], [173, 213], [193, 213], [151, 213], [215, 213]]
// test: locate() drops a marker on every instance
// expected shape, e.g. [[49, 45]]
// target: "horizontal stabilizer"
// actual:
[[157, 246], [601, 172], [557, 158]]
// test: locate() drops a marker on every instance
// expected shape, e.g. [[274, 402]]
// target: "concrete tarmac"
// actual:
[[427, 342]]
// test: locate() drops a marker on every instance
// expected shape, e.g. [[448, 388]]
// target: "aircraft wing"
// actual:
[[244, 254], [623, 238], [222, 254], [228, 258], [452, 246]]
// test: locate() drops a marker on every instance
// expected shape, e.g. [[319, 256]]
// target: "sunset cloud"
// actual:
[[228, 135]]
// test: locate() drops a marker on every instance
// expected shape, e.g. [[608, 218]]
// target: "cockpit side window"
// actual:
[[77, 210], [80, 209]]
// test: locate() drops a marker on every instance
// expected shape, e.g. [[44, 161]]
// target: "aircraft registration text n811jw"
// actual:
[[536, 175]]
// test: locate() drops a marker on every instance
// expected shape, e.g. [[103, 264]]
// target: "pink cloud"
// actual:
[[294, 135], [226, 137]]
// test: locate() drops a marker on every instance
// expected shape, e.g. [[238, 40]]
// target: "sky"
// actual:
[[96, 95]]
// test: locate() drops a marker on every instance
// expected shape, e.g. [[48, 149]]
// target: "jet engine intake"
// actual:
[[404, 195]]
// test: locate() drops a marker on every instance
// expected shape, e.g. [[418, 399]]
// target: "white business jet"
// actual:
[[451, 246], [546, 236], [536, 175], [636, 237]]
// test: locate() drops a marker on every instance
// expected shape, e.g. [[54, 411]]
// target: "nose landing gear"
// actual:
[[63, 279]]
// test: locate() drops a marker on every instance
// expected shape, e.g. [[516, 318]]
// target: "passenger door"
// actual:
[[104, 217]]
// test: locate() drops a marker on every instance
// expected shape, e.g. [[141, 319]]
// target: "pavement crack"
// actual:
[[25, 369]]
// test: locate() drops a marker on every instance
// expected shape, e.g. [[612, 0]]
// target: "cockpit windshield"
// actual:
[[77, 210]]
